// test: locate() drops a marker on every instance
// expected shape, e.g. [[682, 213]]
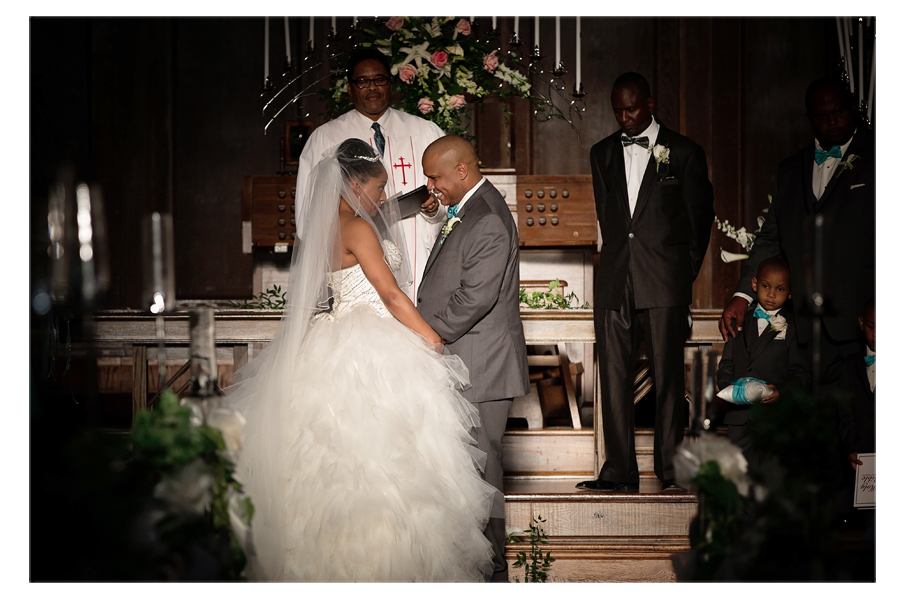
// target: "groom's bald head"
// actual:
[[451, 166]]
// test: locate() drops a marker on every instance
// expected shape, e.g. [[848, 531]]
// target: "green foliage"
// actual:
[[721, 508], [194, 485], [789, 528], [536, 563], [271, 299], [550, 300]]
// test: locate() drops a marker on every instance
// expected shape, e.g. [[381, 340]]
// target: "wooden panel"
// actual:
[[272, 202], [602, 571], [609, 518], [565, 453], [556, 211]]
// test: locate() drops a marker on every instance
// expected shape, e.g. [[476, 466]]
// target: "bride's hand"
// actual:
[[437, 346]]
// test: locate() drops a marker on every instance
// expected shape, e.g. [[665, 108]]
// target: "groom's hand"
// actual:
[[430, 206]]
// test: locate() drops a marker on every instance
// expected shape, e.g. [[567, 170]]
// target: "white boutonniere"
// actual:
[[846, 164], [778, 323], [661, 154], [448, 227]]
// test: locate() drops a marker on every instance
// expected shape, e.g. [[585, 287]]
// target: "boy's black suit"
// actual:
[[779, 362]]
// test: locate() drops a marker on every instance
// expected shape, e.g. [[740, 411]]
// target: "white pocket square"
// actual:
[[853, 187]]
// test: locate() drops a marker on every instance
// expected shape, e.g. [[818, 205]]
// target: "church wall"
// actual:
[[165, 114]]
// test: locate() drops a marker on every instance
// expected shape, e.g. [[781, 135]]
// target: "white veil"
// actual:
[[263, 388]]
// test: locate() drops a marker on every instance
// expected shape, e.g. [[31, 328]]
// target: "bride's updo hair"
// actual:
[[359, 160]]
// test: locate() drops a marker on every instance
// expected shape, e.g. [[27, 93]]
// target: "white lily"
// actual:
[[729, 257], [415, 53]]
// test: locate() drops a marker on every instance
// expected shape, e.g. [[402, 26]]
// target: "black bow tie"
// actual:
[[642, 141]]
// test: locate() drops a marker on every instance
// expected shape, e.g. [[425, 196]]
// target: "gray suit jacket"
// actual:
[[470, 295]]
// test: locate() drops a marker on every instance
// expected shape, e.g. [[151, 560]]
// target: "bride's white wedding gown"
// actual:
[[381, 467]]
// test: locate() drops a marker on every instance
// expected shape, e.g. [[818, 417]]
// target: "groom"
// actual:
[[470, 295]]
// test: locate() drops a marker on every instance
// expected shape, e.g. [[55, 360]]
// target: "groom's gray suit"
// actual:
[[470, 295]]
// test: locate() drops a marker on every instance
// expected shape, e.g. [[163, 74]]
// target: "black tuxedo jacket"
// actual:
[[779, 362], [664, 242], [848, 208], [857, 415]]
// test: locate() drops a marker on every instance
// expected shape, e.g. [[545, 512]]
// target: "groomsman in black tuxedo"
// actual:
[[833, 178], [655, 208]]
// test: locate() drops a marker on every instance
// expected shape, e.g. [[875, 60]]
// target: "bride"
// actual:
[[357, 452]]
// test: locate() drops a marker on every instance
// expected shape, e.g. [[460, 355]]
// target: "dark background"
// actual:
[[165, 114]]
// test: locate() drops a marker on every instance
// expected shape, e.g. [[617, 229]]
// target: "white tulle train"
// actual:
[[381, 476]]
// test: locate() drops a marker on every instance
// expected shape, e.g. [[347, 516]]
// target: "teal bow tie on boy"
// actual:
[[759, 313], [870, 360], [452, 210], [822, 156]]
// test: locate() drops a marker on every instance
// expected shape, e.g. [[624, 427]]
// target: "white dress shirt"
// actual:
[[823, 173], [870, 370], [406, 137], [636, 160], [469, 194]]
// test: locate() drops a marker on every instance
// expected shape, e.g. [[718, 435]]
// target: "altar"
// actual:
[[239, 332]]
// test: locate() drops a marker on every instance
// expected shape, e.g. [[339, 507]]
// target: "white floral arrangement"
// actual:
[[778, 323], [448, 227], [660, 155], [440, 65], [743, 237], [846, 164]]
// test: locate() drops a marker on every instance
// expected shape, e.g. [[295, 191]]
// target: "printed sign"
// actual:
[[864, 496]]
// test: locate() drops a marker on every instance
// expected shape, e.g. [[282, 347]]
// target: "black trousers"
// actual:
[[619, 334]]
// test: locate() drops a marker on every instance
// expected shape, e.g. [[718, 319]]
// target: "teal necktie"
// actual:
[[452, 211], [870, 360], [821, 155]]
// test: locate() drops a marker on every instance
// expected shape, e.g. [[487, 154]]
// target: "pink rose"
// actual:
[[394, 23], [425, 106], [491, 61], [456, 102], [408, 73], [439, 58], [464, 27]]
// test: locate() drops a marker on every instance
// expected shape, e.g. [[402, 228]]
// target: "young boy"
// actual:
[[766, 349], [857, 418]]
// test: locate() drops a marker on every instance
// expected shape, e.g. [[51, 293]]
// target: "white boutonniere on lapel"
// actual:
[[660, 154], [846, 164], [778, 323], [448, 227]]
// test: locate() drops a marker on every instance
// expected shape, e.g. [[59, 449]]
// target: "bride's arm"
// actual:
[[359, 239]]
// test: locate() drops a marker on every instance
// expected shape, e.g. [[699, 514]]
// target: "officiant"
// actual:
[[399, 137]]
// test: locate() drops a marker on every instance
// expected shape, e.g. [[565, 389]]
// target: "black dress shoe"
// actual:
[[669, 485], [607, 486]]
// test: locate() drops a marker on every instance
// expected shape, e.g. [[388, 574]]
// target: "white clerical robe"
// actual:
[[406, 137]]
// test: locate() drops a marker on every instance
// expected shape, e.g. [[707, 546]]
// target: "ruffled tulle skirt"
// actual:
[[381, 473]]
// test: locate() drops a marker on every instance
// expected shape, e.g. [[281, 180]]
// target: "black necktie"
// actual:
[[379, 138], [642, 141]]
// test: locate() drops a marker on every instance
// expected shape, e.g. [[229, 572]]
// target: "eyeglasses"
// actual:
[[362, 83]]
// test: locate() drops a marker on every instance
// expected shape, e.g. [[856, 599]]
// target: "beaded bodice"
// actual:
[[352, 288]]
